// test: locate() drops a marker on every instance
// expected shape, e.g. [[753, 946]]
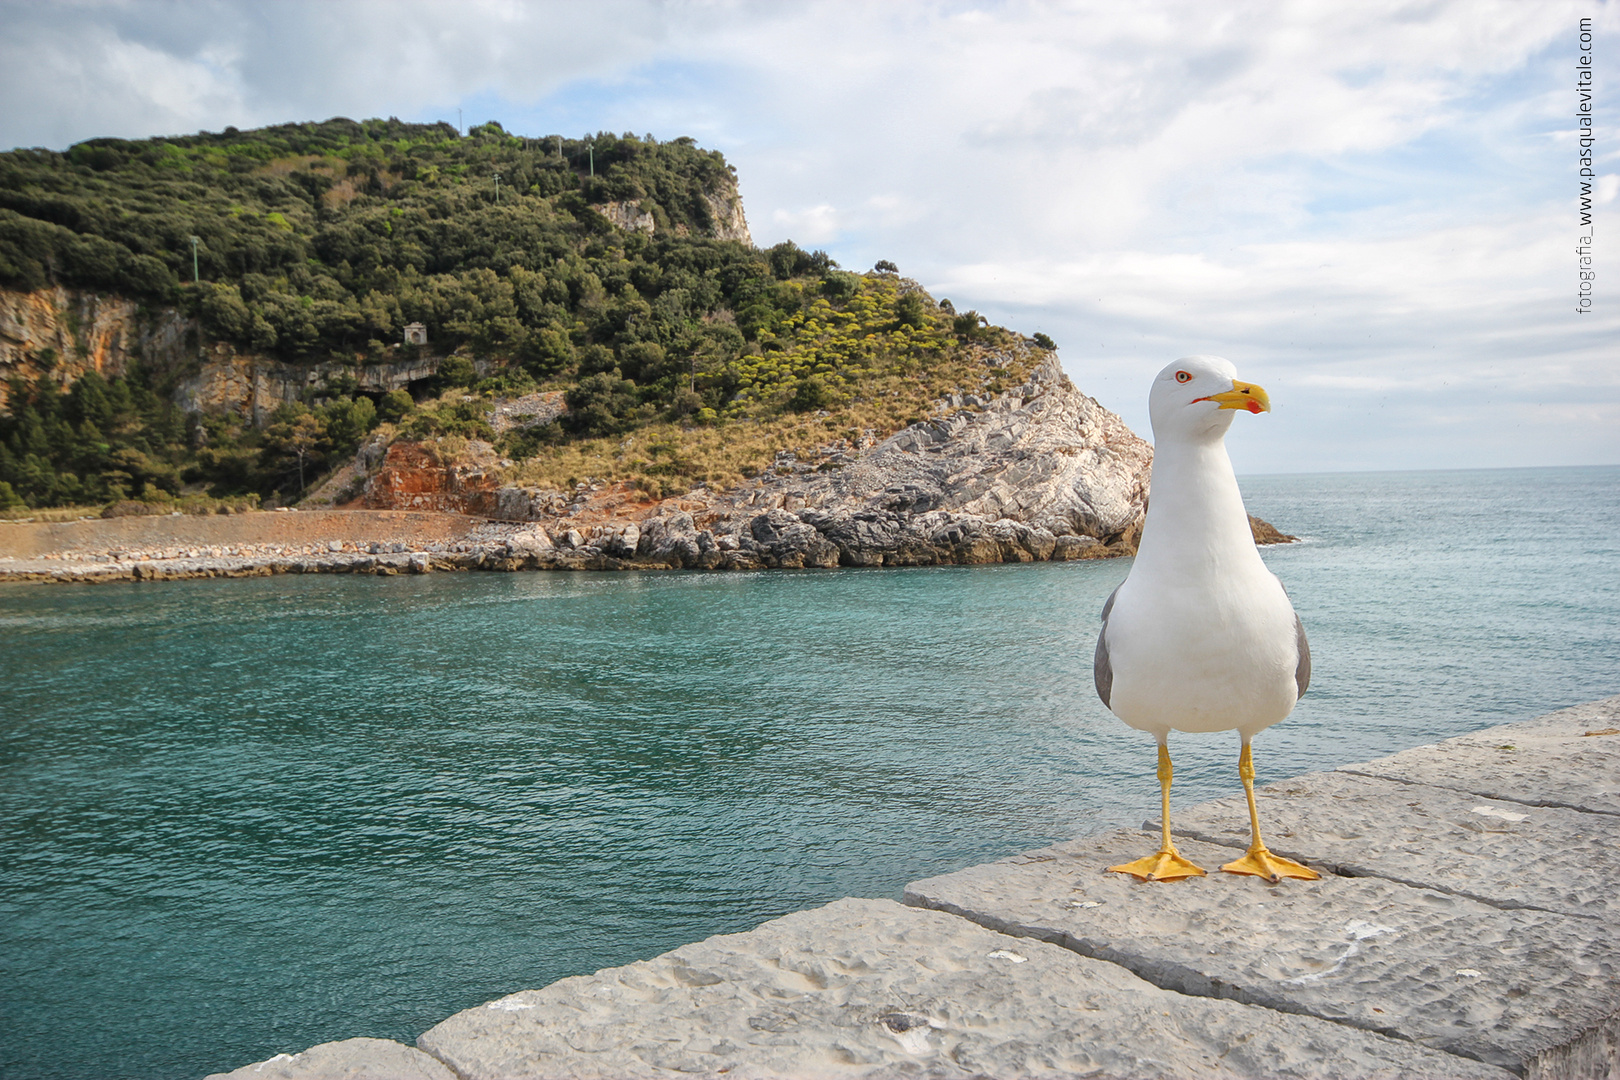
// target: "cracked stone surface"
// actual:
[[1448, 972], [351, 1059], [1507, 854], [1548, 761], [868, 988]]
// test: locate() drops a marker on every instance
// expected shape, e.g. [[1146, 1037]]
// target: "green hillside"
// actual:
[[320, 242]]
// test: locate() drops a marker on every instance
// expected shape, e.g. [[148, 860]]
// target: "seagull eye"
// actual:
[[1183, 376]]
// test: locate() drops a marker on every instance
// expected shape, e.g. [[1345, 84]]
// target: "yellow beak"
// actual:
[[1242, 396]]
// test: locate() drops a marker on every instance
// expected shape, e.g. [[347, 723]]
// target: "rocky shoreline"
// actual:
[[775, 539]]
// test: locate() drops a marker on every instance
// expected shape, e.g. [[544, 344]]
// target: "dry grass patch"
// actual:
[[671, 458]]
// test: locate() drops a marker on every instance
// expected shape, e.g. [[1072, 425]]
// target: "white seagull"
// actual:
[[1200, 636]]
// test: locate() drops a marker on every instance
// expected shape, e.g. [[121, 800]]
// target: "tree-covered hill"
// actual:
[[611, 268], [314, 239]]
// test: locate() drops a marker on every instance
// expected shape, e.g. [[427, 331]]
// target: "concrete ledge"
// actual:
[[871, 988], [1549, 761], [1504, 987], [1506, 854]]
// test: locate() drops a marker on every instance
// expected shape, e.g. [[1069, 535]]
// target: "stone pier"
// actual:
[[1465, 926]]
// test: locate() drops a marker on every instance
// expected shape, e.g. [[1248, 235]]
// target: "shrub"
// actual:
[[546, 352], [602, 404], [520, 443], [687, 401], [395, 406], [910, 310], [968, 325], [1044, 342], [454, 371], [789, 260], [642, 361], [348, 421], [840, 287], [464, 419], [811, 393]]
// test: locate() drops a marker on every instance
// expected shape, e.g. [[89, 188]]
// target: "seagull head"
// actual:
[[1195, 398]]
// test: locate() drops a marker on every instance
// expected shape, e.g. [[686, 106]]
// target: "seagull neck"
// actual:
[[1194, 506]]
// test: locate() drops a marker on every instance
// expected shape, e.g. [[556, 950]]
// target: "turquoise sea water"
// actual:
[[244, 817]]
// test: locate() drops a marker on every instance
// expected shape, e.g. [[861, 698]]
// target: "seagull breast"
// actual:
[[1201, 636]]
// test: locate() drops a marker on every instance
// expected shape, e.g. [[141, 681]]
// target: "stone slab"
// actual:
[[1448, 972], [1548, 761], [868, 988], [351, 1059], [1507, 854]]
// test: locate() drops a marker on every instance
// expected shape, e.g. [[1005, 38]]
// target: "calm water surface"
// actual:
[[244, 817]]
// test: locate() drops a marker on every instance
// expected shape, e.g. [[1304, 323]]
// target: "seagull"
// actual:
[[1200, 636]]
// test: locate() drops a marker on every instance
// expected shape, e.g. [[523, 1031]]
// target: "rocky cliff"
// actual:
[[725, 206], [62, 333], [724, 203]]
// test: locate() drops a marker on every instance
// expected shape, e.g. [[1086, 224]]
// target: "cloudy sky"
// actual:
[[1370, 208]]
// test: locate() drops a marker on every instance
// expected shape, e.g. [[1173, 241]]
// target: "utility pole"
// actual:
[[497, 187], [195, 277], [458, 123], [559, 148], [593, 162]]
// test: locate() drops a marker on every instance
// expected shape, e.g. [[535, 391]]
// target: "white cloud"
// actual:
[[814, 225], [1368, 202], [117, 67]]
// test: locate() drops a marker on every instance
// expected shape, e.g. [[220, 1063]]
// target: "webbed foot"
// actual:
[[1166, 865], [1263, 864]]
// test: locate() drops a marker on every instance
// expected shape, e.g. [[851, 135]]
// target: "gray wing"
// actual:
[[1102, 671], [1302, 669]]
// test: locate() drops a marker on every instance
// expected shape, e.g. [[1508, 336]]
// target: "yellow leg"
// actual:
[[1259, 861], [1167, 865]]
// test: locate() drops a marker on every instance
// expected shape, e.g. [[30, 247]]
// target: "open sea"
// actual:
[[243, 817]]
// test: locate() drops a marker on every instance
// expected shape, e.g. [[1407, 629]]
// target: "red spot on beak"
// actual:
[[1253, 406]]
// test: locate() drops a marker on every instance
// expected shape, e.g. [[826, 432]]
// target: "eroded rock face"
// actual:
[[1042, 472], [64, 333], [724, 202], [1043, 454], [253, 386], [412, 477], [627, 215]]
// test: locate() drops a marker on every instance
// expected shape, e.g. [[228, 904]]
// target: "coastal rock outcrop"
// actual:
[[721, 198], [1040, 472]]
